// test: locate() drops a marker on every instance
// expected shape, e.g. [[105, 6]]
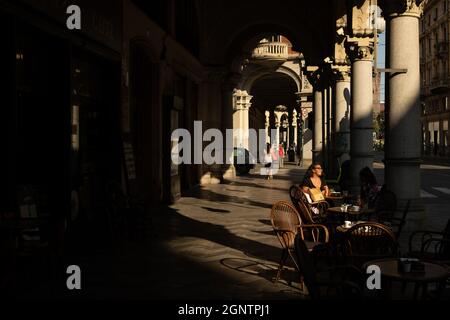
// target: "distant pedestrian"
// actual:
[[268, 162], [281, 155]]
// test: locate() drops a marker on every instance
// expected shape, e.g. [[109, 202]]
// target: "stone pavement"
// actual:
[[214, 243]]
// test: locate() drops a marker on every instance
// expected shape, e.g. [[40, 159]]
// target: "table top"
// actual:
[[335, 198], [344, 229], [433, 271], [349, 211]]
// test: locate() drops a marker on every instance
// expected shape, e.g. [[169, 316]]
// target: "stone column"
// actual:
[[227, 115], [241, 105], [294, 125], [403, 138], [361, 139], [288, 140], [329, 132], [267, 125], [277, 135], [342, 115], [318, 126]]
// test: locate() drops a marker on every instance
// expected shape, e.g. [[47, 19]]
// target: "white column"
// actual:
[[318, 126], [228, 170], [287, 132], [294, 125], [361, 139], [267, 125], [403, 139], [241, 105], [277, 135]]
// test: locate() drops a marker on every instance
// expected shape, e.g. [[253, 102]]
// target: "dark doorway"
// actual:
[[96, 149], [41, 130]]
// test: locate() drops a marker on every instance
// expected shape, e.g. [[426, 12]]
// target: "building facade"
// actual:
[[435, 78]]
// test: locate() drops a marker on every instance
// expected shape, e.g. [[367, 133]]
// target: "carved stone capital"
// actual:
[[396, 8], [341, 74], [356, 51], [314, 77], [241, 100]]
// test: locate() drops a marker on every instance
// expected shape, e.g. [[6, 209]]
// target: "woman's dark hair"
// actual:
[[366, 175], [309, 172], [268, 147]]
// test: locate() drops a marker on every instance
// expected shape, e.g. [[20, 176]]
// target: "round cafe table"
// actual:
[[335, 198], [344, 229], [433, 273], [351, 214]]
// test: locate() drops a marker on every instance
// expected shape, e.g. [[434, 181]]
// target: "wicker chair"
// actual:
[[342, 281], [369, 241], [295, 193], [433, 245], [307, 213], [286, 223]]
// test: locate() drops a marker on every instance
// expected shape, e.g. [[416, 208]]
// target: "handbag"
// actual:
[[316, 194]]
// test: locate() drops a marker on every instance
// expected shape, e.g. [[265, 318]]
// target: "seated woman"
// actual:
[[369, 188], [314, 180]]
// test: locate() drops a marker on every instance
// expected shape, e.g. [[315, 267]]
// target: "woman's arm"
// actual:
[[326, 191]]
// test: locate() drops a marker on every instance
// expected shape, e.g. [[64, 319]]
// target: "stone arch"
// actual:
[[249, 79], [246, 39]]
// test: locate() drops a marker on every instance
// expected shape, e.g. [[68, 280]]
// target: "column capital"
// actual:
[[397, 8], [241, 100], [341, 73], [311, 74], [315, 77], [360, 49]]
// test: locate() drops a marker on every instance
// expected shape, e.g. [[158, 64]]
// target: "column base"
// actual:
[[212, 174], [228, 172]]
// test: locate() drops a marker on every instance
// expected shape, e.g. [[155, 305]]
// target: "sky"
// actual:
[[381, 59]]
